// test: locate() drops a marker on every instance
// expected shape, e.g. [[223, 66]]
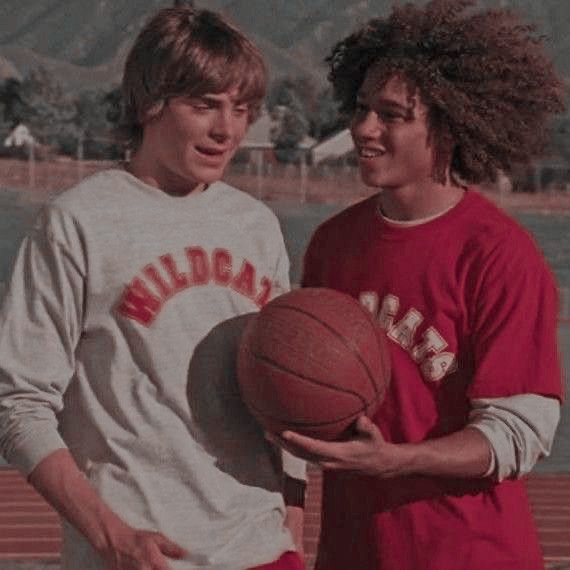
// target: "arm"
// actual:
[[40, 326], [504, 438], [294, 496], [520, 430], [59, 480], [465, 453], [295, 522], [294, 489]]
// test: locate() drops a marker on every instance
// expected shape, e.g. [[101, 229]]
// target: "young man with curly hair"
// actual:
[[442, 98], [117, 333]]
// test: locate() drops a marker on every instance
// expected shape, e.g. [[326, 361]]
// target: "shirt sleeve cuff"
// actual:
[[293, 466], [33, 449]]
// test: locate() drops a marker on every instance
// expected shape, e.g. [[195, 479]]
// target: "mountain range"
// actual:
[[83, 43]]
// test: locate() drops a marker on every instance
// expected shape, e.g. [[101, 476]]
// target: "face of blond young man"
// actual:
[[193, 139]]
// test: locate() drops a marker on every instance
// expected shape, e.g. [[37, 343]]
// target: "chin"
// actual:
[[373, 176], [209, 176], [375, 181]]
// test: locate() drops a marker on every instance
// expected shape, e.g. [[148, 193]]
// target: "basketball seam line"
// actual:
[[300, 423], [340, 337], [307, 378]]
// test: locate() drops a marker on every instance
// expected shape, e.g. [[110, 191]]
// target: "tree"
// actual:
[[14, 108], [93, 120], [288, 112], [113, 106], [326, 119], [560, 141], [51, 114]]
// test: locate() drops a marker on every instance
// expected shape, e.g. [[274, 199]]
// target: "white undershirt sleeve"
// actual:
[[520, 430]]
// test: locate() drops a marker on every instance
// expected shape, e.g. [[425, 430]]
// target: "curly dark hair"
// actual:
[[484, 76]]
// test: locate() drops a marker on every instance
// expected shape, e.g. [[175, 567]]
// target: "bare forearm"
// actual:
[[466, 453], [295, 520], [63, 485]]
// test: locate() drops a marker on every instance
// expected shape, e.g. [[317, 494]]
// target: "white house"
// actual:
[[335, 146], [19, 137], [259, 133]]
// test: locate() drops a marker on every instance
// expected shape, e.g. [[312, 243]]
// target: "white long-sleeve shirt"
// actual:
[[118, 333]]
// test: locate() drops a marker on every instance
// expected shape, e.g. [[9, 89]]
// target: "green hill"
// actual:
[[84, 42]]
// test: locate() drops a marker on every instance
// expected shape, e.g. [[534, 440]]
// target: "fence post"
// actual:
[[80, 156], [303, 169], [32, 164]]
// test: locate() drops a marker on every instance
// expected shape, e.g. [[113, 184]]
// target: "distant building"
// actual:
[[20, 137], [336, 146], [259, 133], [8, 70]]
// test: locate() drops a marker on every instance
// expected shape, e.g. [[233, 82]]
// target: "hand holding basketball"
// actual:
[[312, 361], [366, 453]]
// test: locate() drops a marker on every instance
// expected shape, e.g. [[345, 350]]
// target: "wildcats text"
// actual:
[[143, 298]]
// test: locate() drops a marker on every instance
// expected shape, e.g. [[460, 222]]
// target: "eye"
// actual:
[[391, 116], [200, 105], [241, 110]]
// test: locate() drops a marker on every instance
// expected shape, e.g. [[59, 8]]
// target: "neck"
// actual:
[[144, 166], [419, 201]]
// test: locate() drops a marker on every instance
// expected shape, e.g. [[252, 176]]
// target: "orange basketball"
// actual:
[[312, 361]]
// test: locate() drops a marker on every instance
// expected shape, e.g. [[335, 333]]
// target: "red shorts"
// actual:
[[289, 561]]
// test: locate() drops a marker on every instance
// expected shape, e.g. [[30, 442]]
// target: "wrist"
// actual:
[[294, 491], [406, 460], [102, 528]]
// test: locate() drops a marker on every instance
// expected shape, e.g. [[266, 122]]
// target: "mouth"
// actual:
[[368, 152], [212, 152]]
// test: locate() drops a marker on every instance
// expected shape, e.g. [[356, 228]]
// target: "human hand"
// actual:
[[134, 549], [366, 453]]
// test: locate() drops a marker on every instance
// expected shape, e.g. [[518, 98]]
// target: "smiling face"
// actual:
[[189, 141], [390, 132]]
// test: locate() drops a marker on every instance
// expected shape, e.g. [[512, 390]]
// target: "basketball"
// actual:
[[312, 361]]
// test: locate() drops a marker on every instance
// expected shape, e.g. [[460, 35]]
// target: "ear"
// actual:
[[152, 112]]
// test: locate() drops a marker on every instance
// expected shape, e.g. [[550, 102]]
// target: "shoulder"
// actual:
[[346, 221], [500, 250], [490, 230], [67, 216], [97, 190], [244, 208], [234, 195]]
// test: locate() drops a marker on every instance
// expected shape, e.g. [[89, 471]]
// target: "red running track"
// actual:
[[30, 529]]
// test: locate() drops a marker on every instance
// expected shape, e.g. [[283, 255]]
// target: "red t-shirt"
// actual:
[[469, 306]]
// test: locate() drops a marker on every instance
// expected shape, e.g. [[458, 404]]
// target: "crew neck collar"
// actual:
[[416, 222], [205, 195], [398, 230]]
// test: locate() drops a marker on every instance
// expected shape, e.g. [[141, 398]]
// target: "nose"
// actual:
[[223, 125], [366, 125]]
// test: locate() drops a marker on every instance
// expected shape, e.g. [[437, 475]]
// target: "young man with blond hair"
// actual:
[[117, 396]]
